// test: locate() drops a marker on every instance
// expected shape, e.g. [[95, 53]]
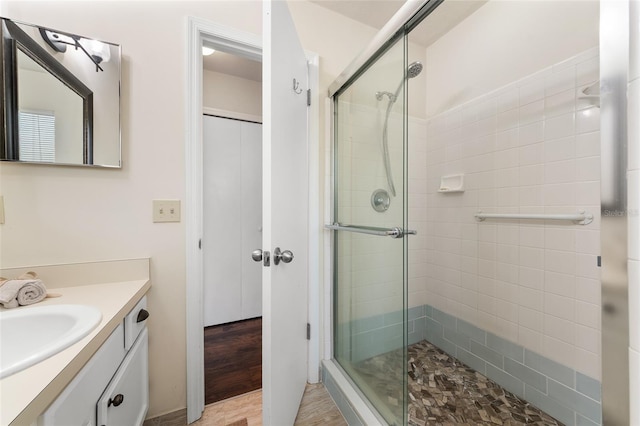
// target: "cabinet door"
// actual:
[[76, 405], [126, 399]]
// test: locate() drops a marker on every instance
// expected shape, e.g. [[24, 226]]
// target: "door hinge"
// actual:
[[308, 97], [308, 331], [200, 243]]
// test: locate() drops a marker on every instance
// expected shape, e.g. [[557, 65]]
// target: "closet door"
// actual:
[[232, 219], [251, 141]]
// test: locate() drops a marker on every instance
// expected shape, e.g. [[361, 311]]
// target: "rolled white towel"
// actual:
[[32, 292], [26, 290]]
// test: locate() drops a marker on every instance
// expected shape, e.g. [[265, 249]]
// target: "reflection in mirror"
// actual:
[[50, 127], [61, 102]]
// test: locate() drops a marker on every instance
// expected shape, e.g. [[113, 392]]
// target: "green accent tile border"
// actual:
[[564, 393]]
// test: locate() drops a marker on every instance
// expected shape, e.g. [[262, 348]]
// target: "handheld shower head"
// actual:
[[413, 70]]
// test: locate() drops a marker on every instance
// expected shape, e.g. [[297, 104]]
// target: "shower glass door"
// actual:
[[370, 248]]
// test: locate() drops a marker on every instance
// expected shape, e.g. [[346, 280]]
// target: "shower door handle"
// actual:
[[400, 233], [396, 232]]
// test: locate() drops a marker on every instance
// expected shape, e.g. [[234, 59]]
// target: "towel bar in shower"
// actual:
[[581, 218], [396, 232]]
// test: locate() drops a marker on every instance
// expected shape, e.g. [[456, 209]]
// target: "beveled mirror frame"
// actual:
[[14, 38]]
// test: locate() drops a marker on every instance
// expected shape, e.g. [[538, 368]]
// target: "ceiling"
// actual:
[[374, 13]]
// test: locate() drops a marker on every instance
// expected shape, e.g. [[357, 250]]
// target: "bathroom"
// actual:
[[60, 215]]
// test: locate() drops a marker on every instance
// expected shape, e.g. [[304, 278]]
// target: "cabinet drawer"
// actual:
[[134, 322], [76, 404], [126, 399]]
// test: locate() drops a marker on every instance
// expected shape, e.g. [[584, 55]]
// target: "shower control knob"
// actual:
[[282, 256]]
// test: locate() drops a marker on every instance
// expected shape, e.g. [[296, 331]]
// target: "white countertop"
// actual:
[[26, 394]]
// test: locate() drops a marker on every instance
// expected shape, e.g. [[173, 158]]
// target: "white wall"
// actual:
[[502, 42], [231, 93], [60, 215]]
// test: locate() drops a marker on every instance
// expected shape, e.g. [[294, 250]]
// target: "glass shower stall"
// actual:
[[466, 216]]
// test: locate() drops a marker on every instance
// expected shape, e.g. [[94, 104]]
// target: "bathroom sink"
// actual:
[[29, 335]]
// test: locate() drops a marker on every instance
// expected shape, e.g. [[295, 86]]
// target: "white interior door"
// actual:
[[285, 215]]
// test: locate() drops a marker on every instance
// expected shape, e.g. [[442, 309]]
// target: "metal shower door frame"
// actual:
[[614, 76]]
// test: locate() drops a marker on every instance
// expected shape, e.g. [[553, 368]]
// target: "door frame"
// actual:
[[249, 46]]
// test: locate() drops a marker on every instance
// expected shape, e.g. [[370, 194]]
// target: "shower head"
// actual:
[[414, 69]]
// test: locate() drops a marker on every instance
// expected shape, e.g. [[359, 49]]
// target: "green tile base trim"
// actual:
[[562, 392]]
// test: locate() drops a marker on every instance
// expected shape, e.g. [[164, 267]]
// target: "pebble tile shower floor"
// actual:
[[444, 391]]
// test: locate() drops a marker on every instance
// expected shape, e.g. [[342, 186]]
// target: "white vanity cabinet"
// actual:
[[126, 399], [113, 387]]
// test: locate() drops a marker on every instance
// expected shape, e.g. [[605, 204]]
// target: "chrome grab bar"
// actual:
[[581, 218], [395, 232]]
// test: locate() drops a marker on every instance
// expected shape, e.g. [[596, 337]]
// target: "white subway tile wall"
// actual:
[[530, 147], [370, 268]]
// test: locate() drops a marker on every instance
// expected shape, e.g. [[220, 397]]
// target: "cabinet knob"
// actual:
[[142, 315], [117, 400]]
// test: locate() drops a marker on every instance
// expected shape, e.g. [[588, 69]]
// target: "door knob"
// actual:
[[284, 256], [258, 255]]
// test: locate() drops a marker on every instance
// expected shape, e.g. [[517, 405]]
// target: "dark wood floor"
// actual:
[[232, 359]]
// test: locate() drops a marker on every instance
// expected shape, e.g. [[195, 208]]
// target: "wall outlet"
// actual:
[[166, 210]]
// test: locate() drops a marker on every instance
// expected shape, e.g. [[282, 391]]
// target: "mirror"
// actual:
[[61, 97]]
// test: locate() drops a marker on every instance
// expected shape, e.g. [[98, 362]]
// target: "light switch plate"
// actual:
[[1, 209], [166, 210]]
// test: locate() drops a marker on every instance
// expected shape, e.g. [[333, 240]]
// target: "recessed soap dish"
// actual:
[[452, 183]]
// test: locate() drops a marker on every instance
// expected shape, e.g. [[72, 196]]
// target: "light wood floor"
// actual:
[[317, 408]]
